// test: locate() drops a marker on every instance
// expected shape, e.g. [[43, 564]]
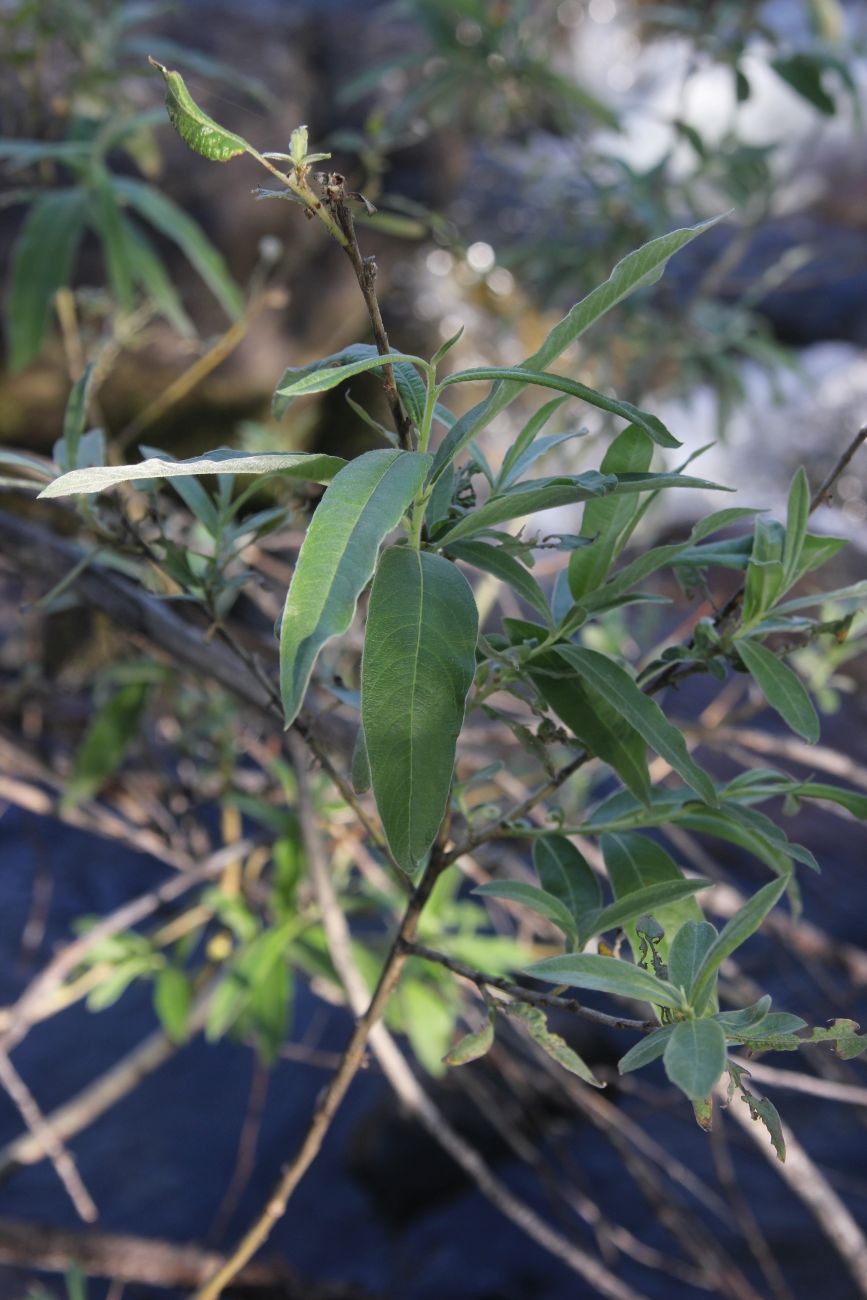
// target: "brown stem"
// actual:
[[521, 994], [365, 272]]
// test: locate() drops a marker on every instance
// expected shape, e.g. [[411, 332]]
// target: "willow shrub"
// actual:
[[396, 519]]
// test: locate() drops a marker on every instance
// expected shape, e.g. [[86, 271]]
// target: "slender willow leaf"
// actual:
[[695, 1057], [417, 668], [536, 423], [41, 263], [552, 1044], [745, 1018], [744, 923], [797, 516], [323, 378], [645, 1050], [196, 129], [153, 279], [528, 498], [497, 562], [106, 740], [593, 719], [302, 465], [606, 975], [171, 221], [636, 270], [107, 221], [641, 712], [563, 872], [472, 1046], [606, 521], [650, 424], [359, 509], [688, 949], [765, 577], [649, 899], [75, 418], [409, 385], [782, 688], [537, 900], [173, 997]]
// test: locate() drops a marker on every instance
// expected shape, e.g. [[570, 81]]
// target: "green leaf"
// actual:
[[646, 1050], [843, 1033], [803, 73], [173, 996], [555, 1046], [736, 931], [497, 562], [406, 377], [529, 498], [695, 1057], [593, 719], [361, 506], [765, 577], [607, 520], [196, 129], [249, 971], [42, 260], [564, 873], [635, 863], [747, 1017], [649, 424], [472, 1046], [649, 899], [324, 378], [171, 221], [774, 1026], [537, 900], [536, 423], [107, 222], [797, 516], [105, 742], [641, 712], [636, 270], [417, 668], [606, 975], [781, 687], [360, 764], [153, 279], [688, 949], [75, 418], [302, 465]]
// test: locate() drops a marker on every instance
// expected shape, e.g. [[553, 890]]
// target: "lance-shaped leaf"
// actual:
[[606, 975], [641, 712], [649, 424], [689, 947], [538, 900], [472, 1046], [646, 900], [563, 872], [409, 385], [325, 377], [417, 668], [636, 270], [359, 509], [193, 125], [552, 1044], [735, 932], [498, 562], [171, 221], [528, 498], [695, 1057], [646, 1050], [41, 263], [301, 465], [595, 721], [782, 688], [607, 521]]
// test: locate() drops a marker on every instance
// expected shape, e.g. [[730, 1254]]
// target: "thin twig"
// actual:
[[51, 1144], [521, 994], [334, 192]]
